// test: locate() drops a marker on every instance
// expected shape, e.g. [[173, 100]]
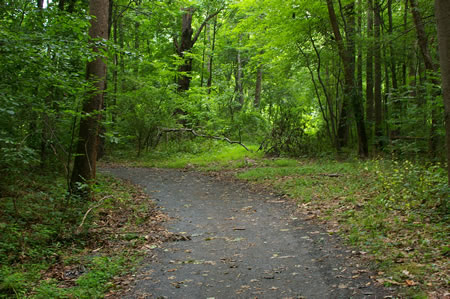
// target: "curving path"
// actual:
[[238, 243]]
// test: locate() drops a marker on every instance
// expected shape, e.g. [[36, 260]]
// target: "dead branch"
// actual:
[[193, 132], [88, 211]]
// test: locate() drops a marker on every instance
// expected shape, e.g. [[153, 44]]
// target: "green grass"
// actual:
[[210, 155]]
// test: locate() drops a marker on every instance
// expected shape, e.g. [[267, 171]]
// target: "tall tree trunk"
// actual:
[[61, 5], [116, 65], [347, 55], [71, 7], [359, 60], [185, 46], [239, 86], [405, 61], [442, 11], [343, 127], [211, 56], [391, 48], [84, 169], [369, 70], [377, 66], [258, 86], [187, 41], [429, 67], [206, 33]]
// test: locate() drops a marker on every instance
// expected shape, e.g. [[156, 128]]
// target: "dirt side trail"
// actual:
[[240, 244]]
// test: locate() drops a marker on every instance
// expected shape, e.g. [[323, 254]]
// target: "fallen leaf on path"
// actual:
[[410, 282]]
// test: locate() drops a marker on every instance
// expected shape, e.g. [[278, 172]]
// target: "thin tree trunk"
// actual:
[[204, 54], [187, 41], [61, 5], [429, 67], [442, 11], [359, 64], [343, 127], [211, 57], [239, 87], [332, 133], [258, 87], [369, 70], [84, 169], [377, 66], [116, 66], [405, 28], [347, 55], [71, 7], [391, 49]]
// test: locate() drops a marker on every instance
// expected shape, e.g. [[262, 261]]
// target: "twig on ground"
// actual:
[[89, 210]]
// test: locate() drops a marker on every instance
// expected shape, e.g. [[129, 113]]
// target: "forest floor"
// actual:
[[235, 241]]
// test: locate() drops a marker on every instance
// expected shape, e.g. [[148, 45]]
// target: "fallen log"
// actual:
[[193, 132]]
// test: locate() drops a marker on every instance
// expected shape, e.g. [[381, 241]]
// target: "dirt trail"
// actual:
[[242, 244]]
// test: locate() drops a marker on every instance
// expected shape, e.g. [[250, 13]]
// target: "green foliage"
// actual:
[[37, 237], [414, 187]]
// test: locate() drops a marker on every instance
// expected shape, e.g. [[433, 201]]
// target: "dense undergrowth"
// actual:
[[396, 211], [47, 250]]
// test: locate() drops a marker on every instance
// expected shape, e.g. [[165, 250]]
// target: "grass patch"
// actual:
[[43, 253], [396, 211], [208, 155]]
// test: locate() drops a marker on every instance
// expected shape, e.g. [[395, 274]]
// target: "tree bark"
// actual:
[[206, 33], [343, 128], [258, 87], [185, 45], [429, 67], [71, 7], [211, 57], [187, 41], [84, 169], [369, 70], [239, 87], [61, 5], [347, 55], [442, 11], [359, 60], [377, 66], [391, 49]]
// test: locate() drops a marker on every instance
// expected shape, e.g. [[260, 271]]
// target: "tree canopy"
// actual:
[[296, 77]]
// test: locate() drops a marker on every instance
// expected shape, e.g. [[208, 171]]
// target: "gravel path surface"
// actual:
[[238, 243]]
